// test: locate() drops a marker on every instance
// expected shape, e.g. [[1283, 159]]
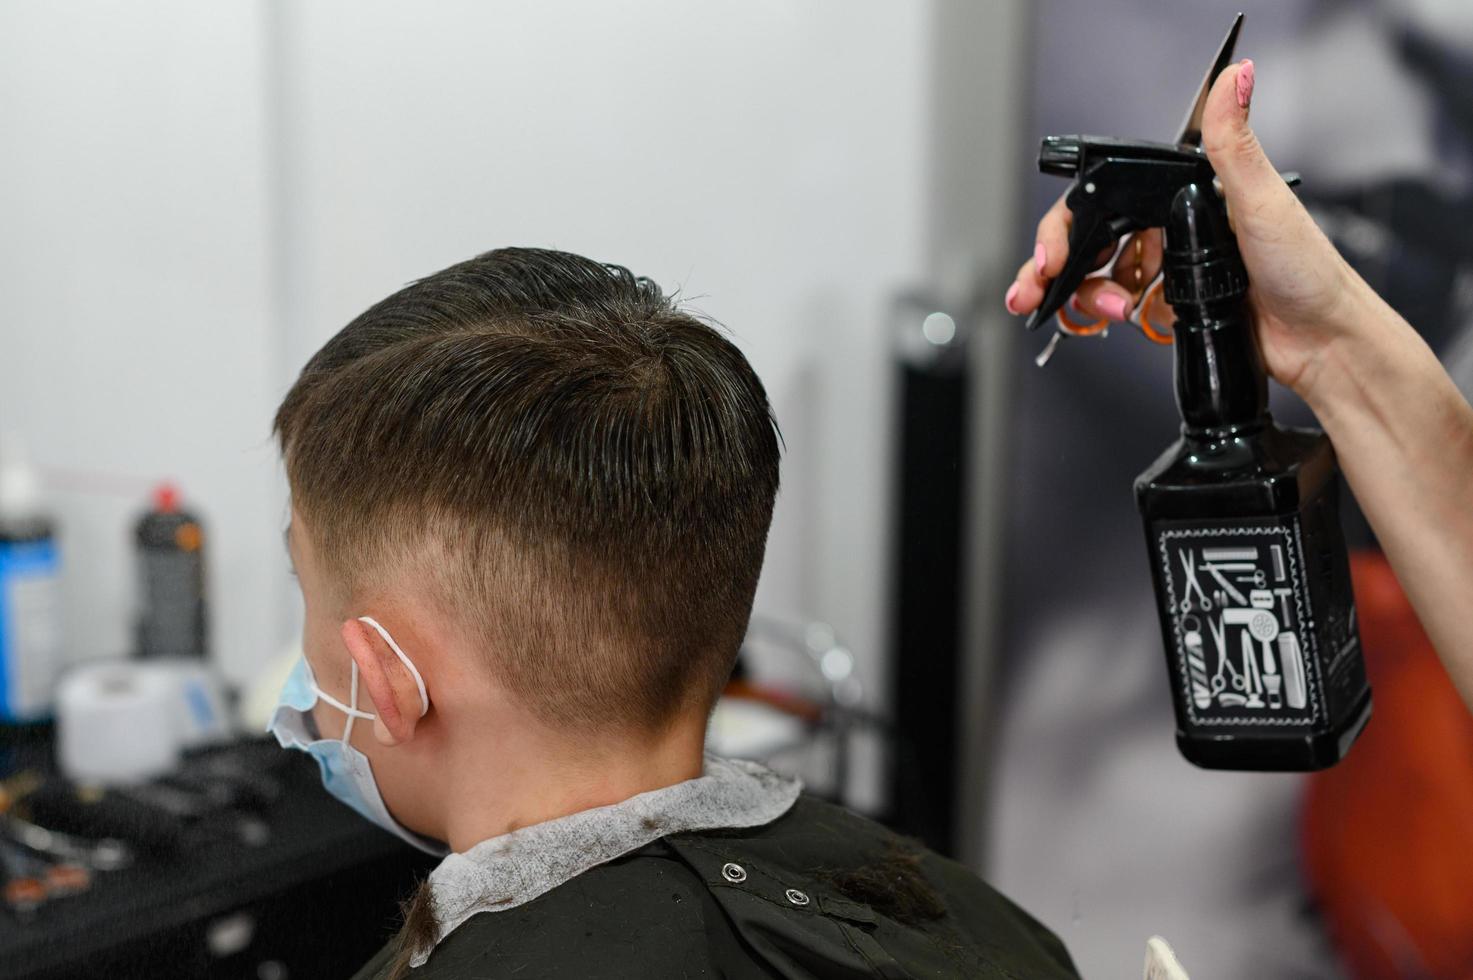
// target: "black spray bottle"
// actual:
[[1247, 556]]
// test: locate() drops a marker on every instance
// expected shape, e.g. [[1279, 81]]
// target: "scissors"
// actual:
[[1189, 567], [1149, 313]]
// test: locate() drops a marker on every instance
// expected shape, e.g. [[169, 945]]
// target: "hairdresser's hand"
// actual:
[[1401, 429], [1301, 288]]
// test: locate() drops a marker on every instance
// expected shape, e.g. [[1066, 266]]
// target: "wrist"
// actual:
[[1363, 338], [1375, 373]]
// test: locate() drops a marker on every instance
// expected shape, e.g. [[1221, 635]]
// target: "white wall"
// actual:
[[195, 197], [135, 339]]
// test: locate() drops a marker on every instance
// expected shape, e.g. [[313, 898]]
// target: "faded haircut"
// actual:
[[581, 473]]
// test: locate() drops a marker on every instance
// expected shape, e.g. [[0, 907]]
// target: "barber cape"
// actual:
[[733, 874]]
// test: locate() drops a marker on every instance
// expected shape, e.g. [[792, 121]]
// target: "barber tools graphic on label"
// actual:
[[1188, 563], [1196, 660], [1239, 607], [1293, 660]]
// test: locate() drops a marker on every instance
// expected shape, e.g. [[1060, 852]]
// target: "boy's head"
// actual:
[[576, 476]]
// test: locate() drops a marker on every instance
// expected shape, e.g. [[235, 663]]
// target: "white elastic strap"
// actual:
[[353, 700], [424, 699], [350, 712]]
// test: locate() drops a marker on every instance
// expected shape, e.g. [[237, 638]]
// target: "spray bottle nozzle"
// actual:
[[1060, 156]]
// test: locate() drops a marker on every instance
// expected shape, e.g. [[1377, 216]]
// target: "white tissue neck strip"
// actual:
[[516, 868]]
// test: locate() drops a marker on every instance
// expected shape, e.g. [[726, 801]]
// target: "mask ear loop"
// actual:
[[353, 700], [351, 709], [424, 698]]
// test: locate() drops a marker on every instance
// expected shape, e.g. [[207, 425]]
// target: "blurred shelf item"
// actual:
[[794, 703]]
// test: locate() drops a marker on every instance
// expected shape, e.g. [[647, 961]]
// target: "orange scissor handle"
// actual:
[[1073, 329], [1142, 318], [1154, 333]]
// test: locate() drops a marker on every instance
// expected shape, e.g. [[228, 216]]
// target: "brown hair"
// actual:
[[580, 471]]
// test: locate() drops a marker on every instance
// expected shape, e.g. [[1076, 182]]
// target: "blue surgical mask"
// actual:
[[346, 772]]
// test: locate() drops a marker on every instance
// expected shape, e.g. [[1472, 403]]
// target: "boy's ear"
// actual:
[[388, 683]]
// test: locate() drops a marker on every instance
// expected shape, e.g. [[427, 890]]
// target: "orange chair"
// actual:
[[1387, 835]]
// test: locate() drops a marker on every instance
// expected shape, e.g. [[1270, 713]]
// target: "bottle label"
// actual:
[[172, 624], [30, 629], [1243, 638]]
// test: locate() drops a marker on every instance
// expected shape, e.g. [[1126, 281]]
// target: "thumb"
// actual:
[[1248, 178]]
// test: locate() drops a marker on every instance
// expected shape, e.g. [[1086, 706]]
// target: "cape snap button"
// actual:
[[734, 873], [797, 898]]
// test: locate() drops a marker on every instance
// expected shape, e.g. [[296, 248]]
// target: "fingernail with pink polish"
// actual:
[[1008, 299], [1112, 305], [1040, 257], [1245, 84]]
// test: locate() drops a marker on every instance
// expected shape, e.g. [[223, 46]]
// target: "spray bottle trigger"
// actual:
[[1090, 234]]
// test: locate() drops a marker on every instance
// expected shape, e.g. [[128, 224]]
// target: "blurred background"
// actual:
[[193, 198]]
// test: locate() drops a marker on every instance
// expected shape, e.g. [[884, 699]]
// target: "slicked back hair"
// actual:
[[581, 473]]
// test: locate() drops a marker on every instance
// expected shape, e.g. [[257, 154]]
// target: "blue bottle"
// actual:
[[30, 607]]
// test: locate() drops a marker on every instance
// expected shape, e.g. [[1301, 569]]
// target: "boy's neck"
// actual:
[[536, 787]]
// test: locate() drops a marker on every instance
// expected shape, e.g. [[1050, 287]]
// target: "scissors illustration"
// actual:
[[1219, 637], [1189, 567]]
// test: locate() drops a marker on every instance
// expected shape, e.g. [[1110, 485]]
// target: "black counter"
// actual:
[[315, 898]]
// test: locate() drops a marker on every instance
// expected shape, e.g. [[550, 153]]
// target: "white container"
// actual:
[[118, 723]]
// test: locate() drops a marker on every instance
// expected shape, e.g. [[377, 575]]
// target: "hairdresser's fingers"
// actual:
[[1102, 296], [1051, 242], [1050, 253], [1139, 261], [1029, 285], [1298, 279], [1256, 194], [1027, 290]]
